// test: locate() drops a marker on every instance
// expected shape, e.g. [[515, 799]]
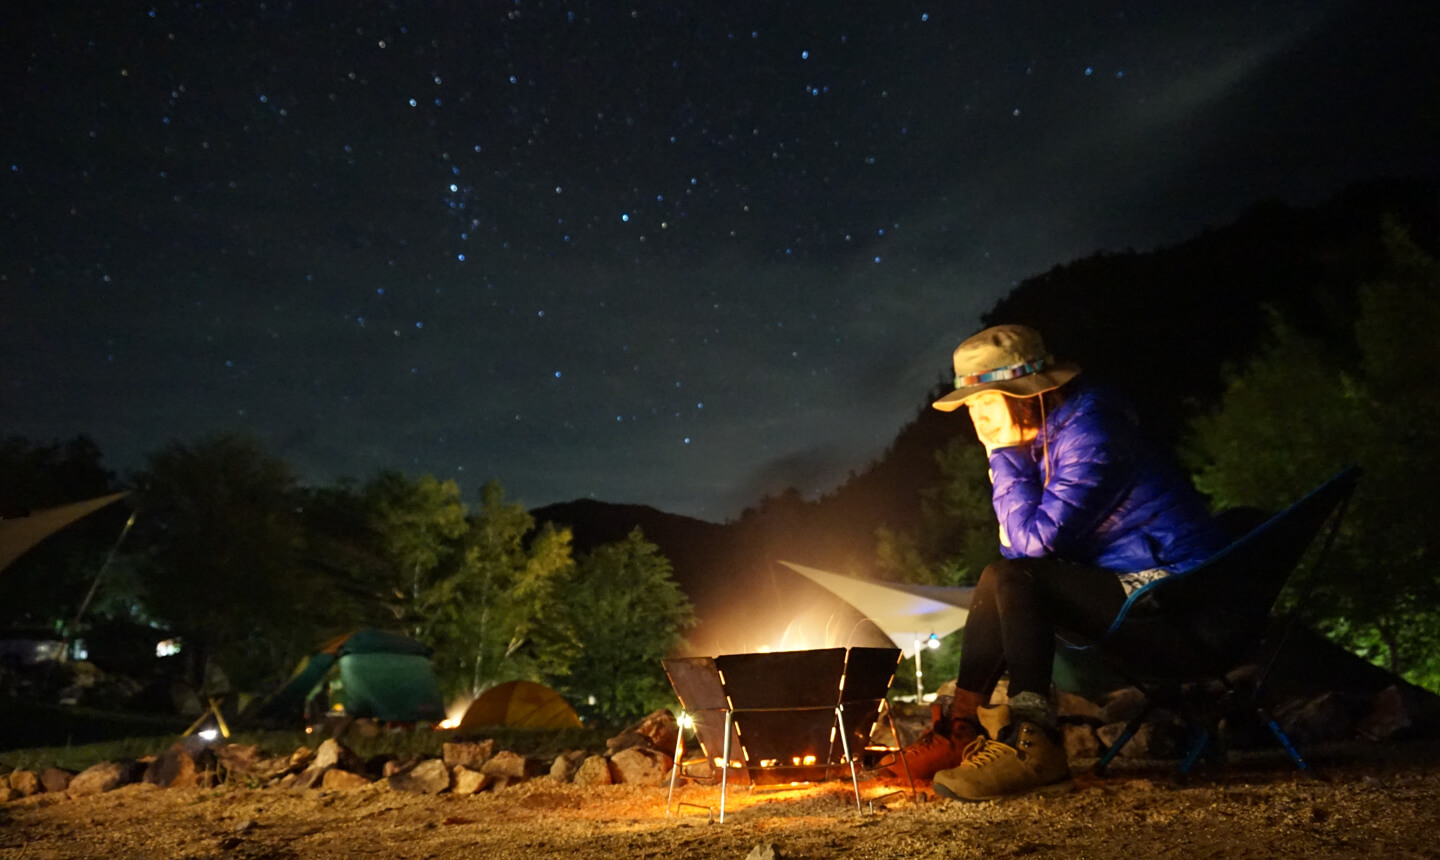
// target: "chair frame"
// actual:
[[1160, 688]]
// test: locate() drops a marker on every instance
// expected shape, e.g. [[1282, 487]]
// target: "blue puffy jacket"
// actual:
[[1110, 500]]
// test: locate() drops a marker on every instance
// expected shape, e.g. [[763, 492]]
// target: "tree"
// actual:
[[218, 552], [418, 525], [956, 536], [501, 614], [1303, 409], [629, 614]]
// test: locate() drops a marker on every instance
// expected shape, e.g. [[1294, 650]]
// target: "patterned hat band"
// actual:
[[1014, 371]]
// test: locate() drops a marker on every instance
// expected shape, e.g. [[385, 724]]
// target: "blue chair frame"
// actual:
[[1196, 627]]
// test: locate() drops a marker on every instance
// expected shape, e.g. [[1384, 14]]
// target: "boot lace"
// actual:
[[983, 751]]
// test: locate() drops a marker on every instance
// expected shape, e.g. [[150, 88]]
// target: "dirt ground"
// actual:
[[1371, 801]]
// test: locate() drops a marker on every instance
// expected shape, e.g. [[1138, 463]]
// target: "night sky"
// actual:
[[678, 254]]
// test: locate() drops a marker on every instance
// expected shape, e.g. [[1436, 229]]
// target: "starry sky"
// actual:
[[671, 253]]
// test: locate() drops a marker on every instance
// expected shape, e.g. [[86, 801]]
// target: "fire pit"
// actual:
[[783, 717]]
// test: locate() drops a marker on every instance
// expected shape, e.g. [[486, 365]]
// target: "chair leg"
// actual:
[[1130, 729], [1284, 739], [1202, 742]]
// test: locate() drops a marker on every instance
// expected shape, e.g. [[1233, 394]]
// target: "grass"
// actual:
[[25, 724]]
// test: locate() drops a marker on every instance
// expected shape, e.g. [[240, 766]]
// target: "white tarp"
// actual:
[[906, 613], [18, 534]]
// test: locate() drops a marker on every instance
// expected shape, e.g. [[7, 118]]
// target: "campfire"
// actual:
[[786, 716]]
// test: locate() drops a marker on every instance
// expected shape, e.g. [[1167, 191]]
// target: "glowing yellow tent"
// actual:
[[519, 704]]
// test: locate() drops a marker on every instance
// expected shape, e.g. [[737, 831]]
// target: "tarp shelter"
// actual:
[[21, 530], [906, 613], [384, 676], [521, 705]]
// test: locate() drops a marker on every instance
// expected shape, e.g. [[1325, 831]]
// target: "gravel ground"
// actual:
[[1364, 801]]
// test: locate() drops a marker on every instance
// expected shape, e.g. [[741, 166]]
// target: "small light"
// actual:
[[934, 642], [209, 734]]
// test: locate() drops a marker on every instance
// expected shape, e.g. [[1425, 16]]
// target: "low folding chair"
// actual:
[[1187, 632]]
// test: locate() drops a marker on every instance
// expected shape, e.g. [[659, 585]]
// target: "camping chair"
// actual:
[[1191, 630]]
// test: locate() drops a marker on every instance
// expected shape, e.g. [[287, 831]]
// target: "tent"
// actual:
[[20, 530], [521, 705], [906, 613], [381, 675]]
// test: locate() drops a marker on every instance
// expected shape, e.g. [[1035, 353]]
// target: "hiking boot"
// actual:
[[1016, 758], [942, 747]]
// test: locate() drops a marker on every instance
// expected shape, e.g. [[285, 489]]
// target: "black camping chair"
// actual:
[[1182, 635]]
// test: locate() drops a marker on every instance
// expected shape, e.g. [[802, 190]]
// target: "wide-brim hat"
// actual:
[[1010, 359]]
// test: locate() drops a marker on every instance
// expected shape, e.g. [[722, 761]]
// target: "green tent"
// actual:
[[383, 676]]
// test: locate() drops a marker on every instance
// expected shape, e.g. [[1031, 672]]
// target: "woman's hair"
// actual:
[[1026, 411]]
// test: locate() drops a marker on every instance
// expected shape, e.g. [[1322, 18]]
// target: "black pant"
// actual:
[[1016, 609]]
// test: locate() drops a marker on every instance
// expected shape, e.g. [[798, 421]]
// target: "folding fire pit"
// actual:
[[782, 717]]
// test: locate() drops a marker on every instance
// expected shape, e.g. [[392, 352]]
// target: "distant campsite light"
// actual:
[[208, 734], [167, 647]]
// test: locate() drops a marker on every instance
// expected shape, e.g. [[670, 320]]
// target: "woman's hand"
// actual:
[[994, 424]]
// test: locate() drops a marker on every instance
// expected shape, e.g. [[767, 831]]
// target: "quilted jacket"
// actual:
[[1109, 500]]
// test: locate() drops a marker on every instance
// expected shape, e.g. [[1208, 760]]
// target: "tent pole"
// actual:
[[94, 586], [919, 675]]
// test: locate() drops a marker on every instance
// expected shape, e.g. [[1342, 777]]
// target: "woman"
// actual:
[[1088, 512]]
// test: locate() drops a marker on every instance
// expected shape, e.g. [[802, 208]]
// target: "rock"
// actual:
[[594, 770], [272, 768], [1080, 741], [332, 753], [1156, 740], [765, 851], [468, 782], [1137, 747], [311, 777], [103, 777], [637, 766], [302, 757], [238, 758], [656, 731], [1397, 712], [509, 765], [55, 779], [1072, 705], [7, 793], [1122, 706], [564, 767], [428, 777], [25, 782], [471, 754], [398, 766], [343, 780], [174, 768], [1323, 718]]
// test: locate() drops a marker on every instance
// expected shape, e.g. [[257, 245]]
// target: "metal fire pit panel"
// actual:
[[783, 679], [697, 684]]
